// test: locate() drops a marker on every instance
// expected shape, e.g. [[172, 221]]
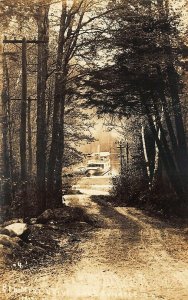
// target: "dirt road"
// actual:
[[127, 256]]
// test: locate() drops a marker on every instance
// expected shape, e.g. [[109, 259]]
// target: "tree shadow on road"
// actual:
[[123, 233]]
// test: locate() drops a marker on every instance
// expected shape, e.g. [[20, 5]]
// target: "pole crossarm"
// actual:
[[15, 41]]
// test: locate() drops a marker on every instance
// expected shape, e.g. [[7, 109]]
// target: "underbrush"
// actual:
[[132, 190]]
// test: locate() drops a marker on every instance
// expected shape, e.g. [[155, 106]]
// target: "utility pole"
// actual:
[[23, 141], [1, 136], [23, 145], [121, 148], [29, 138]]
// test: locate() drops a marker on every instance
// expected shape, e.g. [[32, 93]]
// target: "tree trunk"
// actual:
[[173, 81], [49, 108], [54, 144], [149, 150], [57, 111], [156, 161], [162, 97], [145, 154], [180, 130], [59, 162], [23, 141], [164, 152], [43, 37]]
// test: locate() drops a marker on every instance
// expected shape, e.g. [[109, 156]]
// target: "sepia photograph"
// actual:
[[94, 149]]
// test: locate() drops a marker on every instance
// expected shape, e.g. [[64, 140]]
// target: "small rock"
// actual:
[[38, 226], [33, 221], [35, 249], [75, 239], [39, 249], [54, 227]]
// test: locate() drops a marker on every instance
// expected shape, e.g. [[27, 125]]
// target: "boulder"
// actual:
[[68, 214], [19, 241], [63, 214], [5, 255], [4, 231], [12, 221], [9, 242], [7, 232], [19, 229], [46, 216]]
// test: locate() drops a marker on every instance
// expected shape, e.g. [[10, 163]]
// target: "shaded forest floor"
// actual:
[[122, 254]]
